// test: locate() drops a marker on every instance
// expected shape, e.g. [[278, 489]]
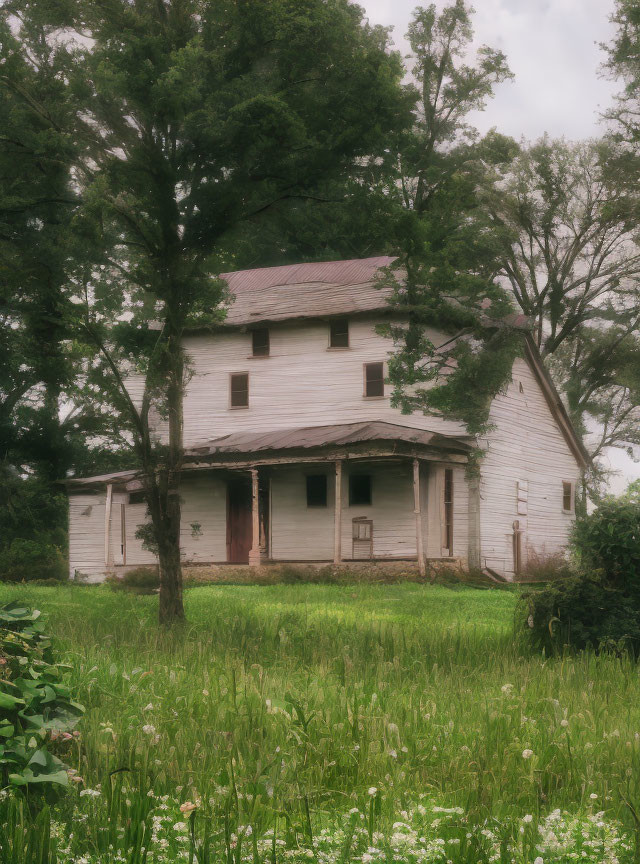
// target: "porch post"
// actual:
[[254, 553], [418, 513], [107, 525], [337, 516]]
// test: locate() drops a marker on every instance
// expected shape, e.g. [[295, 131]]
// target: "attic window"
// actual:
[[374, 379], [359, 490], [260, 342], [239, 390], [316, 490], [567, 496], [339, 333], [521, 388]]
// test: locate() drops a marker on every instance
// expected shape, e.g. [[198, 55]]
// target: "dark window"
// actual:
[[137, 497], [359, 489], [316, 490], [566, 495], [240, 390], [448, 511], [339, 333], [374, 379], [260, 340]]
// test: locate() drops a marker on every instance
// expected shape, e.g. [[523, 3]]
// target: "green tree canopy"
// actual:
[[193, 118]]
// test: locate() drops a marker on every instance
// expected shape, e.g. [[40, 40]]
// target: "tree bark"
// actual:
[[171, 609]]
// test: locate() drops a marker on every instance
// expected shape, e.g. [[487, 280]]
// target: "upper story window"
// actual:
[[374, 379], [567, 496], [239, 390], [316, 490], [260, 342], [339, 333], [359, 490]]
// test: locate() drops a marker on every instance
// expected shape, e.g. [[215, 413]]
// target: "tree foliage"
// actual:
[[566, 224], [447, 257], [192, 119]]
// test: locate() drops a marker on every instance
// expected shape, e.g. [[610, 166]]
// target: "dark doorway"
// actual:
[[239, 530]]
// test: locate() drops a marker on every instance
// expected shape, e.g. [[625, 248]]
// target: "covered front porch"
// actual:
[[333, 494], [349, 492]]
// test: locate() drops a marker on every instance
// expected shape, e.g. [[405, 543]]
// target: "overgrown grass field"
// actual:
[[334, 723]]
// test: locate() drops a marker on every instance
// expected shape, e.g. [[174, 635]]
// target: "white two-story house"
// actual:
[[294, 452]]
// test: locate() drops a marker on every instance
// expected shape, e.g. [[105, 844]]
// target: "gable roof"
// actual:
[[555, 403], [311, 290], [351, 272]]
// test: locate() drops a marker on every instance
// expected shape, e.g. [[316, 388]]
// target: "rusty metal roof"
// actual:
[[311, 437], [312, 290], [354, 271], [224, 449]]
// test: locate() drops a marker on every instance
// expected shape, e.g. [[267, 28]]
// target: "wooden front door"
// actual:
[[239, 530]]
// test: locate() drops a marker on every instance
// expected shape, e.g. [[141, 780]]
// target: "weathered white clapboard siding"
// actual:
[[86, 536], [525, 444], [302, 382], [434, 482], [300, 533], [204, 503], [137, 555]]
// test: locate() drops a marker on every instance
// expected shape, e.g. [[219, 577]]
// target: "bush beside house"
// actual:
[[598, 606]]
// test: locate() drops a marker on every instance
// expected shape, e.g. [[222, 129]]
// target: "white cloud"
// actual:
[[552, 48]]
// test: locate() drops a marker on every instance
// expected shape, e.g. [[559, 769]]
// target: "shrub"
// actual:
[[25, 560], [35, 706], [597, 604], [581, 611], [545, 568], [609, 540], [140, 580]]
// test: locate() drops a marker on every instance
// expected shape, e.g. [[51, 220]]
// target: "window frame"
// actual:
[[352, 502], [233, 407], [572, 503], [365, 366], [447, 506], [267, 353], [333, 323], [315, 477]]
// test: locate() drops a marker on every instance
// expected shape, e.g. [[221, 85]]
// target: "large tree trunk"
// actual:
[[171, 608]]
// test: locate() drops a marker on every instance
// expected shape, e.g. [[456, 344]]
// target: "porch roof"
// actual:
[[334, 435], [242, 446]]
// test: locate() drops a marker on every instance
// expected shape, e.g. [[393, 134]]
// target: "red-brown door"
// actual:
[[239, 527]]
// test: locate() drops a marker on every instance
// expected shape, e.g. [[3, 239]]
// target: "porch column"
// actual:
[[107, 525], [418, 513], [254, 553], [337, 516]]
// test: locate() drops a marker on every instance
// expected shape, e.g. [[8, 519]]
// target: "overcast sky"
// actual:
[[552, 47]]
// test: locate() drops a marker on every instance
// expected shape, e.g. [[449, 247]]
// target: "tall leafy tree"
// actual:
[[447, 253], [37, 202], [567, 228], [195, 117]]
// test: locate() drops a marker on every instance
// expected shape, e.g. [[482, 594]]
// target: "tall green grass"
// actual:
[[285, 705]]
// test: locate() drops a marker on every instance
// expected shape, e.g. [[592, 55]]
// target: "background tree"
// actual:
[[447, 255], [567, 229], [194, 118], [36, 204]]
